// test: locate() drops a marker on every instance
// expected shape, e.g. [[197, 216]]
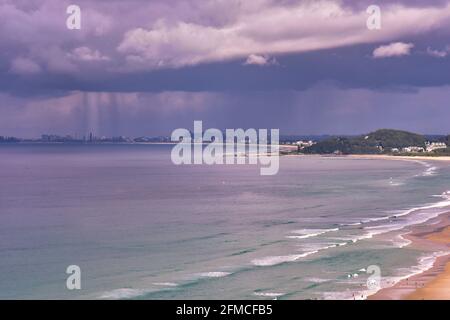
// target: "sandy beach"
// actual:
[[389, 157], [433, 284]]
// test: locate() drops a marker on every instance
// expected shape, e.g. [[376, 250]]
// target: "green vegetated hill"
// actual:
[[380, 141]]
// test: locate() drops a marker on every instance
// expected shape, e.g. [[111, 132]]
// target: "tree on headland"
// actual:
[[380, 141]]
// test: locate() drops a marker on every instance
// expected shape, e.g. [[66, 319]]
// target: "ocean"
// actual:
[[140, 227]]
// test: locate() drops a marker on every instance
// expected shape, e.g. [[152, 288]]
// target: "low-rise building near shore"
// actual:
[[413, 149], [432, 146], [304, 144]]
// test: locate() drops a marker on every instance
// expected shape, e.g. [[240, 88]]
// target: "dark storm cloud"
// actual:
[[351, 67]]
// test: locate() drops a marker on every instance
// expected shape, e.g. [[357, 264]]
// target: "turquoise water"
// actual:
[[140, 227]]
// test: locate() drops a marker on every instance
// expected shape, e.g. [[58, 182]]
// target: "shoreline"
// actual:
[[389, 157], [433, 283], [373, 157]]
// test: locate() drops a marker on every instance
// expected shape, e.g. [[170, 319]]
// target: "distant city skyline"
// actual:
[[91, 137], [147, 68]]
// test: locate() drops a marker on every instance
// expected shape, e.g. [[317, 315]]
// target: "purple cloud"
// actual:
[[148, 35], [143, 67], [395, 49], [24, 66]]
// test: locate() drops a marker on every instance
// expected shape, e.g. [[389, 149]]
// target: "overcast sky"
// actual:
[[141, 67]]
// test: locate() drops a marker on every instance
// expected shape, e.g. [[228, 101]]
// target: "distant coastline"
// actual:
[[380, 142]]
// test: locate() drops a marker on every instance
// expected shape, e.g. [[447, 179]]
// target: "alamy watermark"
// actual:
[[73, 281], [238, 146], [73, 21], [374, 20], [374, 280]]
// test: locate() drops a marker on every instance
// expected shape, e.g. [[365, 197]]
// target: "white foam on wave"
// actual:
[[430, 170], [400, 242], [440, 204], [393, 183], [123, 293], [425, 263], [397, 184], [269, 294], [275, 260], [309, 233], [352, 224], [214, 274], [321, 246], [402, 213], [376, 219], [412, 216], [354, 239], [165, 284], [421, 216], [317, 280], [312, 249]]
